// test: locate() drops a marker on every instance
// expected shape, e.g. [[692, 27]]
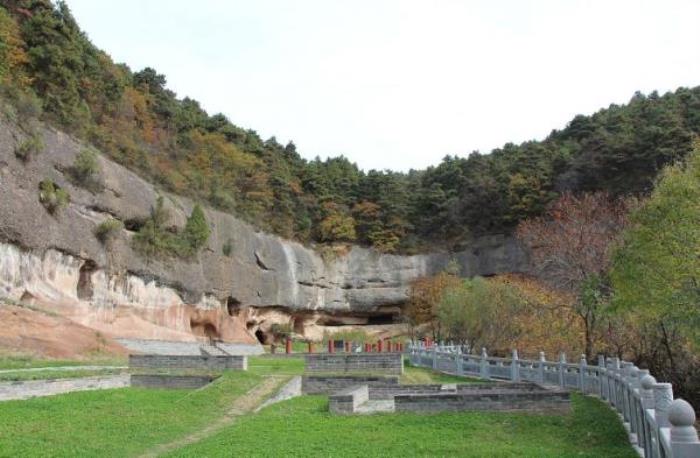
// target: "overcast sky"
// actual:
[[397, 83]]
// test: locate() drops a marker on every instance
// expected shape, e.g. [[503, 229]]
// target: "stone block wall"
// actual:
[[187, 382], [37, 388], [387, 392], [387, 363], [211, 362], [544, 402], [319, 384], [346, 401]]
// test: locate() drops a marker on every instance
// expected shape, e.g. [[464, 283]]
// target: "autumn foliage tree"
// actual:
[[509, 311], [570, 249], [50, 70], [425, 296]]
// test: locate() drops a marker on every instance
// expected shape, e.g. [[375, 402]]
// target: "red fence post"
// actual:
[[331, 348], [288, 346], [347, 346], [310, 347], [379, 345]]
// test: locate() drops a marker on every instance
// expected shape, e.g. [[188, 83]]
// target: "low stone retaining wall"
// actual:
[[168, 347], [319, 384], [186, 382], [346, 401], [216, 362], [290, 390], [388, 391], [543, 401], [388, 363], [500, 386], [37, 388]]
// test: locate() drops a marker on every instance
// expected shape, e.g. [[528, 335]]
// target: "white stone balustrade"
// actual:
[[658, 425]]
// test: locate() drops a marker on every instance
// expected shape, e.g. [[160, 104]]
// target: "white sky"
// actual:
[[399, 83]]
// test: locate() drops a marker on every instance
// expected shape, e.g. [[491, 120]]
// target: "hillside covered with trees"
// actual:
[[50, 70]]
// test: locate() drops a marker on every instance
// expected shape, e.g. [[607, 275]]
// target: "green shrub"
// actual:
[[108, 229], [154, 239], [227, 248], [23, 104], [85, 169], [197, 230], [52, 197], [30, 147]]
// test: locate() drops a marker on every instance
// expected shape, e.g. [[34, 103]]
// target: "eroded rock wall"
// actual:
[[58, 258]]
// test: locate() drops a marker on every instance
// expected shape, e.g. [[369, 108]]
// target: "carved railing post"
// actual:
[[514, 366], [647, 393], [625, 391], [633, 387], [642, 435], [562, 369], [459, 361], [609, 384], [600, 376], [684, 436], [663, 397], [540, 368], [614, 381], [484, 365], [583, 364]]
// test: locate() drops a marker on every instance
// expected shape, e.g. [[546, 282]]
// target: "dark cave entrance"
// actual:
[[233, 306], [260, 335], [381, 319], [85, 288], [207, 330], [298, 324]]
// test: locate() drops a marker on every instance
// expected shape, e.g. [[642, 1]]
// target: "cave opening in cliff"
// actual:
[[298, 324], [386, 318], [134, 224], [233, 306], [205, 329], [260, 335], [85, 289]]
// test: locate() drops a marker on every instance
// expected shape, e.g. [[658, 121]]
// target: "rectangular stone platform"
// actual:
[[186, 382], [320, 384], [347, 401], [385, 363], [509, 397], [210, 362], [541, 401]]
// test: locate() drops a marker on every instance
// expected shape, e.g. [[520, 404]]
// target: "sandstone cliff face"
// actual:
[[58, 258]]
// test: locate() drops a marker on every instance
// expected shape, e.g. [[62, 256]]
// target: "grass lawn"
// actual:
[[55, 374], [121, 422], [131, 421], [275, 366], [27, 362], [303, 427], [419, 375]]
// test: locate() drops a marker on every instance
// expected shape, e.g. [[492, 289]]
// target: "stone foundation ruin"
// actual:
[[504, 397]]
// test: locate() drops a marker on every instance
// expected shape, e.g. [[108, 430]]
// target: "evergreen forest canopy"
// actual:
[[49, 69]]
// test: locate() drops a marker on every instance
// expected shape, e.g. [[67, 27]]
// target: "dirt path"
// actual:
[[241, 406]]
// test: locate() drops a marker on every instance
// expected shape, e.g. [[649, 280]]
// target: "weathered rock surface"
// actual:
[[58, 257]]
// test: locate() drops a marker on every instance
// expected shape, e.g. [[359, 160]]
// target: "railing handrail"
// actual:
[[658, 425]]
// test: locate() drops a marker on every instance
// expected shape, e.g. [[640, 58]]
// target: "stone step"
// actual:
[[376, 406], [212, 350]]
